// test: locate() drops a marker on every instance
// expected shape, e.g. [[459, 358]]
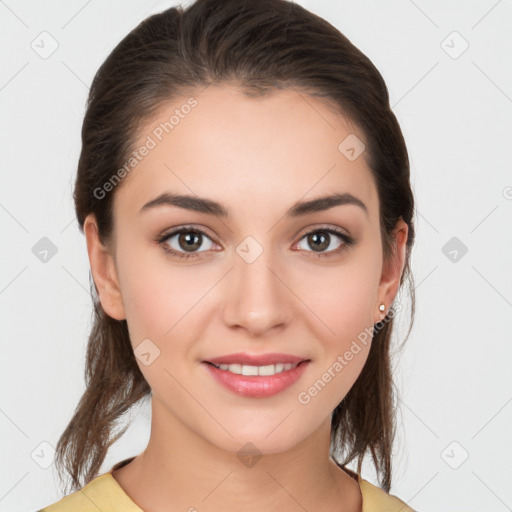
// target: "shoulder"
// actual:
[[376, 499], [102, 493]]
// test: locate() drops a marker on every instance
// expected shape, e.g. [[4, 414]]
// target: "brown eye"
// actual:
[[323, 241], [189, 240], [185, 242], [319, 240]]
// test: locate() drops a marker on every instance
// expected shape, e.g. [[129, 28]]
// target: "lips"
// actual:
[[257, 385]]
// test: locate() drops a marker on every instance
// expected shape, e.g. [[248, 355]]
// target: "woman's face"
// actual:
[[266, 277]]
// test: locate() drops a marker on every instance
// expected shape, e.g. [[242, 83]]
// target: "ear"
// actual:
[[392, 270], [103, 271]]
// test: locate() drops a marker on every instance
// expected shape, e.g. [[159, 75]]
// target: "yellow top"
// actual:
[[103, 493]]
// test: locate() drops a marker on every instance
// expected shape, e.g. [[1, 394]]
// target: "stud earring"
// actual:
[[382, 307]]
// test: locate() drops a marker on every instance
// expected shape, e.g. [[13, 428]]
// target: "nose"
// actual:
[[257, 298]]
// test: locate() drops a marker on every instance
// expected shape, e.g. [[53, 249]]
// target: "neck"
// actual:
[[180, 470]]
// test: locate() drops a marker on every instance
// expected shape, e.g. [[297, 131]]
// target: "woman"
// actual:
[[244, 192]]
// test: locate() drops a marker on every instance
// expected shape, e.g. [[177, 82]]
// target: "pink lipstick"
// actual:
[[257, 376]]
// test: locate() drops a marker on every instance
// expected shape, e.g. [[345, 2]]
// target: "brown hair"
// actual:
[[261, 45]]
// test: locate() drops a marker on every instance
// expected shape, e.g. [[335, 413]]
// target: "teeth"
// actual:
[[270, 369]]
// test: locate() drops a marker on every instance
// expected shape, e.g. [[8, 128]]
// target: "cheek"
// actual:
[[341, 300], [344, 337], [157, 295], [144, 307], [158, 303]]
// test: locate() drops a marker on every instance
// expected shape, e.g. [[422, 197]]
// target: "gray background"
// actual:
[[454, 107]]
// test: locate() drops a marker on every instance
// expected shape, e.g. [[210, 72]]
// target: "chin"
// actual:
[[259, 440]]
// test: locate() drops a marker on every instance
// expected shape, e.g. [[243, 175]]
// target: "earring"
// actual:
[[382, 307]]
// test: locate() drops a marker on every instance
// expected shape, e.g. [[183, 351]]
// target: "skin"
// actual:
[[257, 156]]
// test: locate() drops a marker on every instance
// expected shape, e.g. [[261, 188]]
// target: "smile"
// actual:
[[271, 369], [256, 381]]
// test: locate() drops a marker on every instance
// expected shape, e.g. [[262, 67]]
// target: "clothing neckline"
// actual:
[[124, 462], [350, 472]]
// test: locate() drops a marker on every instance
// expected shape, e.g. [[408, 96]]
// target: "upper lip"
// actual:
[[256, 359]]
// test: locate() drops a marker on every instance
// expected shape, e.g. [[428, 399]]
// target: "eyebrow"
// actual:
[[216, 209]]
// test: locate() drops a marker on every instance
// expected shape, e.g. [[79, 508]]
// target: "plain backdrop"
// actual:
[[448, 70]]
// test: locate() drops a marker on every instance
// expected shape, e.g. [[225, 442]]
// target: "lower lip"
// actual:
[[255, 386]]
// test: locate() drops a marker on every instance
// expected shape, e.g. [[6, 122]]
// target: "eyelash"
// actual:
[[347, 242]]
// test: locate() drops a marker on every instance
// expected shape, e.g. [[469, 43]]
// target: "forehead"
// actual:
[[273, 149]]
